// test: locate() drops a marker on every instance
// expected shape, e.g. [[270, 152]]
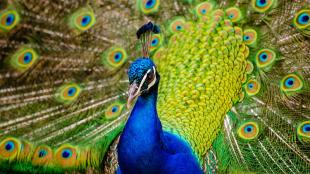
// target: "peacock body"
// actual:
[[234, 84]]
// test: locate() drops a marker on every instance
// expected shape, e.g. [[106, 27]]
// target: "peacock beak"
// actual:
[[133, 93]]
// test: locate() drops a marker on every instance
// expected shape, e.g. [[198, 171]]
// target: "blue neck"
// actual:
[[140, 145], [145, 148], [143, 123]]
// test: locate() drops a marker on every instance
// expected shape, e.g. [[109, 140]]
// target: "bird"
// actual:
[[159, 151], [232, 80]]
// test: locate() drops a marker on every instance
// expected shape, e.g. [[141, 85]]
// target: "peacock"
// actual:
[[232, 78], [144, 147]]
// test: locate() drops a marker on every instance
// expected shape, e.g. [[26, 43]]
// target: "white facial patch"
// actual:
[[154, 80], [143, 80]]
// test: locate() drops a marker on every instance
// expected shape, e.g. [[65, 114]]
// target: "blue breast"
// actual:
[[145, 148]]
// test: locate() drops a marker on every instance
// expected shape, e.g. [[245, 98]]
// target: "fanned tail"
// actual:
[[268, 131], [63, 80], [62, 85]]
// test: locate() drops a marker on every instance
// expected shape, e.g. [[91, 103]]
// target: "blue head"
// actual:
[[142, 76]]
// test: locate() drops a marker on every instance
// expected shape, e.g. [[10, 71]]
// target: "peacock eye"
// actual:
[[203, 9], [265, 57], [24, 58], [262, 6], [234, 14], [302, 19], [248, 130], [303, 131], [150, 77], [261, 3], [177, 25], [9, 146], [9, 18], [42, 155], [82, 19], [148, 6], [249, 37]]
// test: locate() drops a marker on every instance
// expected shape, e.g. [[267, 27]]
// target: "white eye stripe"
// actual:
[[144, 78], [154, 80]]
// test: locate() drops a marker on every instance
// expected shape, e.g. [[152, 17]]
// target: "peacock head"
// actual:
[[142, 76]]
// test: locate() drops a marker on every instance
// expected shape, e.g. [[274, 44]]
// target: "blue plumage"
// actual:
[[9, 146], [138, 68], [144, 147]]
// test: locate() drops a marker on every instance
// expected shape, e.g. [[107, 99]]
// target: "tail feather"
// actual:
[[276, 104], [60, 92]]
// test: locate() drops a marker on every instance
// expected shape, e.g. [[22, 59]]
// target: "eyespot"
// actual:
[[85, 20], [249, 67], [82, 19], [291, 83], [265, 57], [248, 130], [177, 25], [302, 19], [68, 93], [9, 19], [262, 5], [156, 42], [203, 9], [66, 155], [23, 58], [9, 148], [252, 87], [234, 14], [114, 110], [148, 6], [303, 131], [42, 155], [114, 57], [250, 37]]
